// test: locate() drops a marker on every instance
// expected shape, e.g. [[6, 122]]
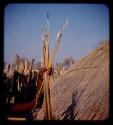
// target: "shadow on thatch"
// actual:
[[69, 112]]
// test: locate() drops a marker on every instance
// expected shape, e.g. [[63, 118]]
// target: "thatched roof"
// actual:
[[82, 93]]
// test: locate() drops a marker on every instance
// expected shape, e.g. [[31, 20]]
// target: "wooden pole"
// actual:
[[47, 62], [59, 35], [47, 100]]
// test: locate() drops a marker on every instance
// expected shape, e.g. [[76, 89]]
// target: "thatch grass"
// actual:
[[82, 93]]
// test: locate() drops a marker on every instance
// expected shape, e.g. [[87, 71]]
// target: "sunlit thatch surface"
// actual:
[[82, 93]]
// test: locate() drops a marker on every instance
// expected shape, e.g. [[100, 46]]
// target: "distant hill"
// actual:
[[82, 93]]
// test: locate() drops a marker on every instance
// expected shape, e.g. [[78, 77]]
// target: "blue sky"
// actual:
[[88, 25]]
